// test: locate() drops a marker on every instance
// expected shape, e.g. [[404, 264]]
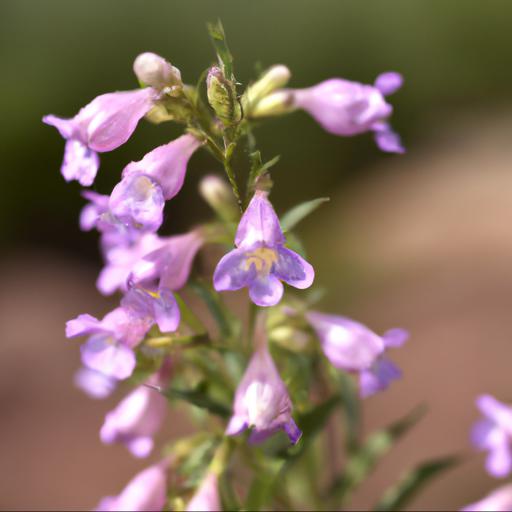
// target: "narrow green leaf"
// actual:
[[214, 305], [263, 485], [398, 496], [199, 398], [363, 461], [228, 496], [292, 217], [218, 37]]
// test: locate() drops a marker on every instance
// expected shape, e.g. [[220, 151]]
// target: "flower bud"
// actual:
[[153, 70], [275, 104], [222, 97], [216, 192], [274, 78]]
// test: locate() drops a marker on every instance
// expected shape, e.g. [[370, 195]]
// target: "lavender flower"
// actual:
[[146, 492], [349, 108], [261, 399], [206, 498], [494, 434], [95, 384], [138, 199], [353, 347], [93, 210], [109, 349], [261, 261], [500, 500], [103, 125], [138, 416]]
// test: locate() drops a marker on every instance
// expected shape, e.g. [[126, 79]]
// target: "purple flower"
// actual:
[[261, 261], [103, 125], [500, 500], [138, 199], [261, 400], [146, 492], [349, 108], [92, 211], [171, 262], [109, 349], [124, 252], [93, 383], [353, 347], [139, 416], [494, 434], [206, 498]]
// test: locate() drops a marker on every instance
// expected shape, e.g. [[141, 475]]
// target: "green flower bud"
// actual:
[[275, 104], [274, 78], [222, 97]]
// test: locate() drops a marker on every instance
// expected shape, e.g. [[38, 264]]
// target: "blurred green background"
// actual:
[[420, 240]]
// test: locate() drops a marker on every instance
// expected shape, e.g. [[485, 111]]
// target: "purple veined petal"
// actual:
[[103, 354], [66, 127], [166, 164], [349, 345], [110, 119], [137, 200], [293, 269], [394, 338], [83, 325], [497, 411], [206, 498], [233, 272], [292, 431], [266, 291], [146, 492], [389, 82], [386, 139], [499, 460], [500, 500], [95, 384], [80, 163], [259, 224], [378, 377], [166, 311]]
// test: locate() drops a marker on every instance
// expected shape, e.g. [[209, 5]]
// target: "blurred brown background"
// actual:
[[421, 241]]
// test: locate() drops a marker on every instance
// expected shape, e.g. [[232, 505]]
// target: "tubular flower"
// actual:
[[146, 492], [500, 500], [206, 498], [138, 199], [493, 433], [139, 416], [349, 108], [261, 261], [94, 384], [353, 347], [261, 399], [103, 125], [109, 348]]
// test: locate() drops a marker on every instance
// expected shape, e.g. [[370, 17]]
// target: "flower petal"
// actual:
[[395, 337], [80, 163], [232, 272], [389, 82], [266, 290], [386, 139], [293, 269]]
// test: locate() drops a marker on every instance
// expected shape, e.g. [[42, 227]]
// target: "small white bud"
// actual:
[[217, 193], [275, 104], [274, 78], [155, 71]]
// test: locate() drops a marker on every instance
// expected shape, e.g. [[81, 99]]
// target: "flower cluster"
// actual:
[[237, 370]]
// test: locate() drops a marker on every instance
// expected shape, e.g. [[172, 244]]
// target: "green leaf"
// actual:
[[258, 169], [214, 305], [263, 485], [292, 217], [218, 37], [363, 461], [397, 497], [351, 411], [228, 496], [199, 398]]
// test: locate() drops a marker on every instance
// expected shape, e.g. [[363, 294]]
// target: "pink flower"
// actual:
[[206, 498]]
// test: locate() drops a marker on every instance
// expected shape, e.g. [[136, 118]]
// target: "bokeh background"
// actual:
[[422, 240]]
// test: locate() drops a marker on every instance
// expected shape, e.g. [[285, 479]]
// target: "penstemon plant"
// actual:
[[264, 381]]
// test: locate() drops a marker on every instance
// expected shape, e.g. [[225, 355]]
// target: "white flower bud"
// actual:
[[217, 193], [155, 71], [274, 78], [276, 104]]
